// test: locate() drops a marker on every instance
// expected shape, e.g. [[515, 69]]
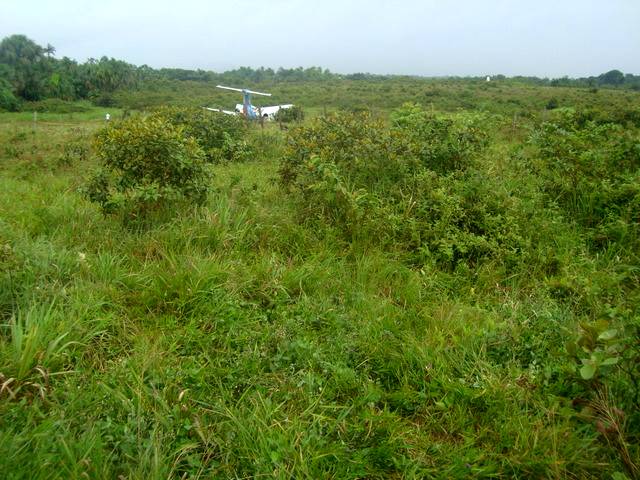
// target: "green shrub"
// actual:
[[409, 186], [288, 115], [552, 104], [606, 380], [147, 162], [592, 171], [221, 137], [359, 146], [442, 144], [233, 151]]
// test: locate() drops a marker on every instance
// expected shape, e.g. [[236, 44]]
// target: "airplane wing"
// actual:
[[244, 90], [228, 112]]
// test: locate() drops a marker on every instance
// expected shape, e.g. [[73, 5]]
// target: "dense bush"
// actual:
[[589, 166], [442, 144], [592, 170], [147, 162], [358, 146], [288, 115], [410, 185], [623, 115], [221, 137], [552, 104]]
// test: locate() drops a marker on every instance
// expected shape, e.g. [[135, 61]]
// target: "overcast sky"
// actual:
[[422, 37]]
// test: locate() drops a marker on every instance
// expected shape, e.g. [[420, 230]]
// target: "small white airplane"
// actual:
[[245, 108]]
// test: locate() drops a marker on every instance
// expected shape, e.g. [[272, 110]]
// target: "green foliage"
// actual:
[[442, 145], [104, 100], [55, 105], [233, 150], [76, 150], [609, 356], [221, 137], [28, 66], [608, 362], [552, 104], [600, 344], [289, 115], [147, 162], [34, 74], [408, 186], [34, 351], [612, 77], [8, 101], [592, 170], [347, 141], [401, 312]]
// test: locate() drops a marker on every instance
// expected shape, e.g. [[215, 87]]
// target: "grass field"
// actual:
[[242, 339]]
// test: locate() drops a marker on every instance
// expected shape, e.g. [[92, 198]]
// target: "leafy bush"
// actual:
[[592, 170], [146, 162], [409, 186], [288, 115], [233, 150], [221, 137], [441, 143], [552, 104], [627, 115], [348, 141]]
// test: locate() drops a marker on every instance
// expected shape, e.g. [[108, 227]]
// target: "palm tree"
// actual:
[[49, 50]]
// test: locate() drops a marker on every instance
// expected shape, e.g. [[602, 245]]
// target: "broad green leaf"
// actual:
[[608, 334], [610, 361], [587, 371]]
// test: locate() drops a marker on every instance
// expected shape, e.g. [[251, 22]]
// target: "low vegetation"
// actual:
[[147, 162], [412, 290]]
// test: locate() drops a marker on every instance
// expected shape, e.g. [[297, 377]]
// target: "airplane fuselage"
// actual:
[[266, 112]]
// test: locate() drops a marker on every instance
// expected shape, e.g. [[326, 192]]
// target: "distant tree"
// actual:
[[632, 81], [28, 65], [561, 82], [49, 50], [612, 77], [62, 80]]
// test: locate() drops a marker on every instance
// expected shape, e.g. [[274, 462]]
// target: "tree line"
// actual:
[[31, 72]]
